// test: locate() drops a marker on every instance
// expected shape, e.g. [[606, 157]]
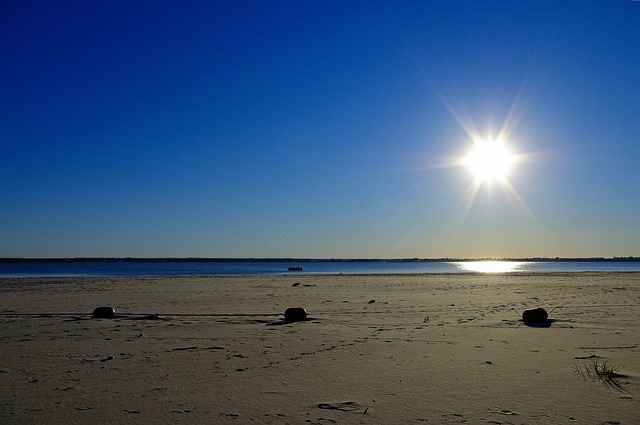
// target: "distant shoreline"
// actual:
[[306, 260]]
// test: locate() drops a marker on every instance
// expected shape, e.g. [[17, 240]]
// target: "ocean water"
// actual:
[[231, 268]]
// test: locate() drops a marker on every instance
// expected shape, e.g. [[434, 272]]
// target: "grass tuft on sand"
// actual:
[[601, 370]]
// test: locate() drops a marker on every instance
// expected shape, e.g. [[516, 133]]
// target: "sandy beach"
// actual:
[[376, 349]]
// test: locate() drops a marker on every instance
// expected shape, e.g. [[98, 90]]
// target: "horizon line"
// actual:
[[303, 259]]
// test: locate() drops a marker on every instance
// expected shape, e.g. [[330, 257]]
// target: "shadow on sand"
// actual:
[[543, 324]]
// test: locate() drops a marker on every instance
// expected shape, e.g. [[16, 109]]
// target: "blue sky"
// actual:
[[319, 129]]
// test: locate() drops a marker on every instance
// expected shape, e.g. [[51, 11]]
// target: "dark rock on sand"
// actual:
[[535, 315], [104, 313], [295, 314]]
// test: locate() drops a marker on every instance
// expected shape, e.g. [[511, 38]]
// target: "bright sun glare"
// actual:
[[490, 161]]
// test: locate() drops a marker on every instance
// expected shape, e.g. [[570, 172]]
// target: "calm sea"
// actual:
[[206, 268]]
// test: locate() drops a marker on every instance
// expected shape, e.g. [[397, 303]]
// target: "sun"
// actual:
[[490, 160]]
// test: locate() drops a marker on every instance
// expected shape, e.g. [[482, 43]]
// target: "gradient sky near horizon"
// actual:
[[321, 129]]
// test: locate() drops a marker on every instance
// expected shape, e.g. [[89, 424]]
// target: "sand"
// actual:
[[378, 349]]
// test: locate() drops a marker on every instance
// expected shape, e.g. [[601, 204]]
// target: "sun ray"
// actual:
[[467, 125], [514, 116], [512, 190], [469, 195]]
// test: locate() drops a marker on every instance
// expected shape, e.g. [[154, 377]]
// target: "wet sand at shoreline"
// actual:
[[376, 349]]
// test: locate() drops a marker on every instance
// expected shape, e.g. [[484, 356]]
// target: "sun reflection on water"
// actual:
[[490, 266]]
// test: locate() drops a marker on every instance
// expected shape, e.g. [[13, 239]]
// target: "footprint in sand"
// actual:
[[346, 406], [505, 412]]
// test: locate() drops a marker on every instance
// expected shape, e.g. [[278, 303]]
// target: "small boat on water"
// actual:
[[295, 268]]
